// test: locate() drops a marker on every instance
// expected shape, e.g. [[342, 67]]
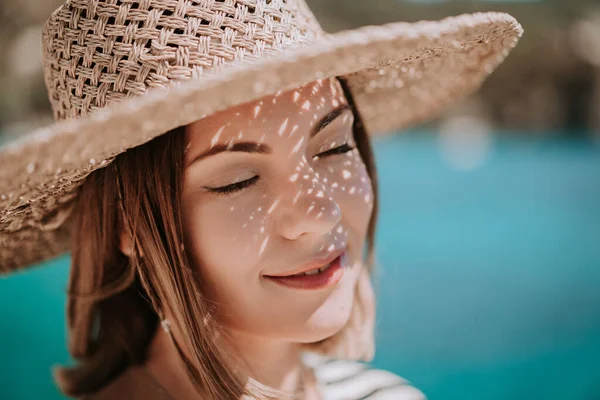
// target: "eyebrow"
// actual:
[[259, 148]]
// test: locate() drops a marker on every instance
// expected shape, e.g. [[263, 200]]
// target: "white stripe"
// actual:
[[361, 385], [336, 370]]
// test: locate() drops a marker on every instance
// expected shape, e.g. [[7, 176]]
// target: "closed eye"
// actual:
[[236, 187], [345, 148]]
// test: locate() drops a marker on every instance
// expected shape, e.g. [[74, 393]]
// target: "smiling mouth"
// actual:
[[311, 272], [326, 276]]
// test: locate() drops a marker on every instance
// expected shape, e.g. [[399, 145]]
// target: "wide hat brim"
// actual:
[[399, 74]]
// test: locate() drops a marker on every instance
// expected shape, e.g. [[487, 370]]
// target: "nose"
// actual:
[[307, 206]]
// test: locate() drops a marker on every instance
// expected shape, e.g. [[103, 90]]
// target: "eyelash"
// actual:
[[235, 187]]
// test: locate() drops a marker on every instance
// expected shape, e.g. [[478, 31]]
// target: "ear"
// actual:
[[126, 244]]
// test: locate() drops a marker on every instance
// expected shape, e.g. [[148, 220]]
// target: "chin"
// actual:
[[324, 324]]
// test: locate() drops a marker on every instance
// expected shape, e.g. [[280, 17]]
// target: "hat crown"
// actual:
[[97, 52]]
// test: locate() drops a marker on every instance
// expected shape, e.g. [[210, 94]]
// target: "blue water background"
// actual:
[[489, 284]]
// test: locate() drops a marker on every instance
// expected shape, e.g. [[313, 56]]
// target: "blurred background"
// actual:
[[489, 236]]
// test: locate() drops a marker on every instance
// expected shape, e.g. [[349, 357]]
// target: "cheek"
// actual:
[[226, 242], [350, 185]]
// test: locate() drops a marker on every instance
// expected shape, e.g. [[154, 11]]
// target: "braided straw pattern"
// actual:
[[97, 52], [115, 83]]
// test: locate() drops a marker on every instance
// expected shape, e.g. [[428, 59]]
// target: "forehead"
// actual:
[[293, 110]]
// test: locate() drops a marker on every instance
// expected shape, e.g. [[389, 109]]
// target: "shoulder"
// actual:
[[132, 384], [352, 380]]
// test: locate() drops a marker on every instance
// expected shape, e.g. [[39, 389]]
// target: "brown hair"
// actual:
[[113, 300]]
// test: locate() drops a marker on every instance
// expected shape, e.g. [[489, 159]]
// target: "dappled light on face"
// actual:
[[274, 205], [282, 127], [263, 245], [216, 137], [301, 183], [297, 146]]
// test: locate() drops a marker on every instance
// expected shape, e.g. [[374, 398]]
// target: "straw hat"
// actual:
[[168, 63]]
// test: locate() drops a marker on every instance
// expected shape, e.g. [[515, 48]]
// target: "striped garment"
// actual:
[[351, 380]]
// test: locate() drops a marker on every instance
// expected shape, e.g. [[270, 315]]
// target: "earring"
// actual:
[[166, 325]]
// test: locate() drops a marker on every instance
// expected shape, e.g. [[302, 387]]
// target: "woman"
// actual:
[[218, 225]]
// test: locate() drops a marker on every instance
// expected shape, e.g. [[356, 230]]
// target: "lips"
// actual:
[[318, 265], [324, 277]]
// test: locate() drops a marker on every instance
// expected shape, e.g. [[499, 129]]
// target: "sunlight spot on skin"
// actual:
[[367, 197], [252, 217], [346, 174], [263, 245], [312, 207], [294, 128], [305, 177], [279, 92], [343, 188], [256, 111], [332, 86], [237, 114], [310, 191], [262, 138], [352, 190], [259, 208], [339, 229], [273, 206], [245, 225], [363, 179], [262, 229], [319, 215], [330, 169], [297, 146], [320, 194], [331, 247], [215, 138], [297, 196], [335, 103], [240, 135], [294, 177], [230, 144], [296, 96], [334, 185], [232, 208], [306, 105], [324, 180], [283, 126]]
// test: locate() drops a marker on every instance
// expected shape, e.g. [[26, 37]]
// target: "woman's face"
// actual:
[[303, 194]]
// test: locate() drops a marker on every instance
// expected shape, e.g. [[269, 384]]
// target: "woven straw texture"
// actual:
[[121, 72]]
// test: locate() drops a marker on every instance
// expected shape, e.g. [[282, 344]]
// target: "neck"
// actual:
[[275, 364], [271, 362]]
